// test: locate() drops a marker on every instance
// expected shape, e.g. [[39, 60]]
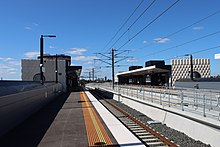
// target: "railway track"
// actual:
[[141, 130]]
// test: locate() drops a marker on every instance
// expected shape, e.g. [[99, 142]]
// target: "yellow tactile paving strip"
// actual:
[[96, 133]]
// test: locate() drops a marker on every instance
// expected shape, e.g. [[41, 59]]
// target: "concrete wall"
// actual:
[[191, 124], [192, 128], [15, 108], [32, 67]]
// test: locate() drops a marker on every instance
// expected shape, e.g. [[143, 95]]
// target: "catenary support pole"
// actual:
[[113, 69]]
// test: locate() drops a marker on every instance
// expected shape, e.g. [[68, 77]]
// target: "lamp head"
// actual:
[[50, 36]]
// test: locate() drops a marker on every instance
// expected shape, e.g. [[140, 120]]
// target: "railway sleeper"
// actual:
[[155, 144], [146, 136], [142, 133], [139, 131], [135, 129], [151, 140], [127, 122], [124, 118], [131, 124]]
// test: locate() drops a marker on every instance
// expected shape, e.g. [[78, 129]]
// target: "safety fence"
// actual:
[[203, 102]]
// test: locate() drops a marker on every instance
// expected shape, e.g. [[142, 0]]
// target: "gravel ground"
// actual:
[[176, 136]]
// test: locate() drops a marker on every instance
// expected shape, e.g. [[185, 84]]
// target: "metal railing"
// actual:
[[198, 101]]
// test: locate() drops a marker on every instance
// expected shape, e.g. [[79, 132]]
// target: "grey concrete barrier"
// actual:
[[15, 108]]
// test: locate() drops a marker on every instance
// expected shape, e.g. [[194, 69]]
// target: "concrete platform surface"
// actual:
[[68, 128], [60, 123]]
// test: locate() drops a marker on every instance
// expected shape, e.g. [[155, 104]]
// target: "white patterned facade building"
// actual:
[[181, 68]]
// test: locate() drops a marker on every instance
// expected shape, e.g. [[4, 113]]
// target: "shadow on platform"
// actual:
[[32, 130]]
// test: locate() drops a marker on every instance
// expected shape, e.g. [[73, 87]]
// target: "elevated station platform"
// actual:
[[200, 121], [73, 119]]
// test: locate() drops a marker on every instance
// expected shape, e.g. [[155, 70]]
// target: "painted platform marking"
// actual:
[[96, 132]]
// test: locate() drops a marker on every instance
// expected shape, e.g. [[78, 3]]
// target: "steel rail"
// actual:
[[154, 133]]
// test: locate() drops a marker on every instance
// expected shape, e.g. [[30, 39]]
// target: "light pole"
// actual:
[[56, 70], [191, 65], [42, 54]]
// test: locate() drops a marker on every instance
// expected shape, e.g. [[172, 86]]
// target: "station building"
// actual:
[[155, 73], [55, 67], [181, 68]]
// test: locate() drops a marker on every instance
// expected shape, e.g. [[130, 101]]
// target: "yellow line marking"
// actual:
[[95, 129]]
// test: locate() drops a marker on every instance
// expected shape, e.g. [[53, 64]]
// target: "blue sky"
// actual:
[[84, 27]]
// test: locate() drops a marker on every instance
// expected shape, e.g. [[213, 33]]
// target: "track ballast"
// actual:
[[151, 133]]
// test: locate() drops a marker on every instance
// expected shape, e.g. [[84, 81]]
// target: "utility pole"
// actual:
[[56, 70], [41, 56], [89, 76], [113, 62], [93, 74], [113, 68], [41, 60], [191, 67]]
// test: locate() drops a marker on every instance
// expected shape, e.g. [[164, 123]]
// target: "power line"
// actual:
[[182, 29], [123, 24], [182, 44], [134, 22], [206, 49], [149, 24], [203, 50]]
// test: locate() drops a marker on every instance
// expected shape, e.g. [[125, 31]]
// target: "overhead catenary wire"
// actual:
[[182, 29], [134, 23], [123, 24], [182, 44], [196, 52], [152, 20], [161, 14]]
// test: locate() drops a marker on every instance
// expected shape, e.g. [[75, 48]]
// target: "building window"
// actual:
[[37, 77], [196, 74]]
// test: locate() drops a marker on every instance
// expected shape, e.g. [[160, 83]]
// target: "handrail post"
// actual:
[[182, 100], [151, 95], [204, 105], [160, 97]]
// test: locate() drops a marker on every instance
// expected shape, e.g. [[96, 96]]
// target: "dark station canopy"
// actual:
[[146, 70]]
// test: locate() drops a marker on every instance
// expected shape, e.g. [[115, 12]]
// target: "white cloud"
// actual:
[[198, 28], [145, 41], [6, 59], [4, 66], [7, 62], [51, 47], [84, 58], [12, 69], [31, 54], [36, 24], [90, 62], [12, 73], [9, 68], [161, 40], [76, 51], [14, 63], [132, 60], [28, 28]]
